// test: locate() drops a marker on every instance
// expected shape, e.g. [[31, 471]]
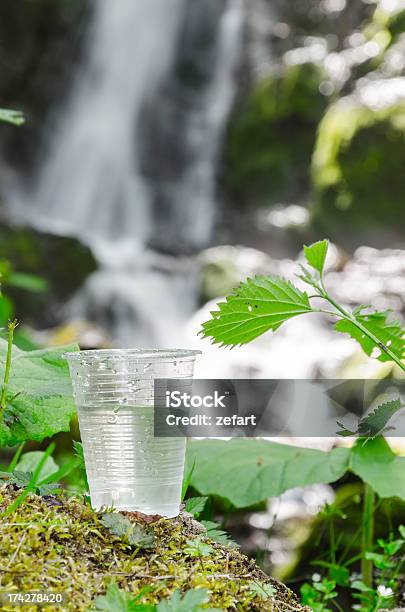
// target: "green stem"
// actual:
[[32, 483], [368, 535], [16, 457], [348, 316], [3, 400]]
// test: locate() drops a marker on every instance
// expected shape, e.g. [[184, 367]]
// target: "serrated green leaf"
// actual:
[[198, 548], [133, 533], [315, 254], [17, 477], [389, 333], [262, 589], [377, 420], [195, 505], [29, 462], [39, 394], [255, 307], [11, 116], [375, 423], [377, 465], [118, 600], [247, 472], [215, 533], [191, 601]]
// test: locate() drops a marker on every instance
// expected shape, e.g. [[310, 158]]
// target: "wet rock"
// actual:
[[64, 262]]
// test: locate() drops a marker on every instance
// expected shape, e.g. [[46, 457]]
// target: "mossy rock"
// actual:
[[358, 166], [271, 138], [59, 544]]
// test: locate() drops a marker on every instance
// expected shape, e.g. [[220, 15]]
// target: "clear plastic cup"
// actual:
[[127, 467]]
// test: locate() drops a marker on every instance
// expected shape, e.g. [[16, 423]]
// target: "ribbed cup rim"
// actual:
[[136, 354]]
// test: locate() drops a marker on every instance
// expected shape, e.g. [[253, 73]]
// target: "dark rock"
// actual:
[[64, 262]]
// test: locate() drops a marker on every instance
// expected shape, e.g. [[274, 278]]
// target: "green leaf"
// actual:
[[262, 589], [117, 600], [195, 505], [11, 116], [79, 453], [247, 472], [389, 333], [215, 533], [29, 462], [377, 465], [255, 307], [17, 477], [381, 562], [375, 423], [358, 585], [39, 395], [198, 548], [29, 282], [191, 601], [315, 254], [133, 533], [337, 573]]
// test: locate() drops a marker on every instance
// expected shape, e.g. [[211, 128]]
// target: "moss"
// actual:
[[271, 138], [60, 544], [358, 165]]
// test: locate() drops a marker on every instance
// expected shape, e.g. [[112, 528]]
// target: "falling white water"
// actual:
[[132, 158], [90, 185]]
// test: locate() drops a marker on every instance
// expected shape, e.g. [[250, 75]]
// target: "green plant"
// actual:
[[263, 304], [16, 280], [36, 398], [132, 533], [375, 591], [118, 600], [11, 116], [265, 469]]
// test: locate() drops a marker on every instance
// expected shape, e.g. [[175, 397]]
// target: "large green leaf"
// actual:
[[390, 333], [255, 307], [39, 395], [246, 472], [375, 463]]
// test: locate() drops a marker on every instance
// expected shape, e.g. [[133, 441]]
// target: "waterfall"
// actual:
[[130, 168]]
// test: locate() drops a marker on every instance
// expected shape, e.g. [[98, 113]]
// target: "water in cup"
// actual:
[[126, 466]]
